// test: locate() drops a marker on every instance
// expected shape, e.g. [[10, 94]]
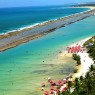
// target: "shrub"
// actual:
[[77, 58], [75, 70]]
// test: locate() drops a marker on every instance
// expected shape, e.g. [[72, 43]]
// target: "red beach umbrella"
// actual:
[[79, 48], [72, 49], [75, 49], [69, 50], [52, 92], [46, 93], [58, 91], [53, 84], [52, 88], [59, 81]]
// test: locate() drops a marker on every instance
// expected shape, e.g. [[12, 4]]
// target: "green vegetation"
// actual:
[[90, 45], [77, 58], [85, 85], [75, 70]]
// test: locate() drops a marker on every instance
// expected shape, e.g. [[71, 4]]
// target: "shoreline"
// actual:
[[14, 39], [86, 61], [36, 24], [84, 67]]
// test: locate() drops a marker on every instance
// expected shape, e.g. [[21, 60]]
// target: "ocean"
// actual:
[[16, 18], [25, 67]]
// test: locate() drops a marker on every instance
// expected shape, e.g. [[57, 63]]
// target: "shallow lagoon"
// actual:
[[23, 68]]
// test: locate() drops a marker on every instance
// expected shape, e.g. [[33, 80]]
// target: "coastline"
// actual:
[[29, 87], [84, 67], [37, 24], [86, 61], [13, 39]]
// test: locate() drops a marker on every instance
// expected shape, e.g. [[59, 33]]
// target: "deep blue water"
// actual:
[[15, 18]]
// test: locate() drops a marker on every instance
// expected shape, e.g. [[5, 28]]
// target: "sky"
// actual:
[[21, 3]]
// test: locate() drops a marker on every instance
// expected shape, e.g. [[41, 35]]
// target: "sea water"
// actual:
[[25, 67], [15, 18]]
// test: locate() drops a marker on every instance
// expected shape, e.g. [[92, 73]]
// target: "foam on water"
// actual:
[[28, 17]]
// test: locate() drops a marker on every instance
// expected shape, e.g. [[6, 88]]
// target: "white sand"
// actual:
[[91, 7], [86, 61]]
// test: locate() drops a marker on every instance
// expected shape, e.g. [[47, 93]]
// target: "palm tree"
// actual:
[[81, 78], [91, 68], [77, 85], [69, 86], [88, 83]]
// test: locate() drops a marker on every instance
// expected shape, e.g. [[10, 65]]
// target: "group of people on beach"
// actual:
[[56, 87]]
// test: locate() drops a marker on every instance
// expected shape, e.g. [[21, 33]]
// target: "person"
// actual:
[[42, 89], [49, 79], [43, 85], [55, 93]]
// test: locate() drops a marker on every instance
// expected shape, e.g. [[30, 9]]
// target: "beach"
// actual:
[[12, 39], [25, 67], [86, 61], [83, 68]]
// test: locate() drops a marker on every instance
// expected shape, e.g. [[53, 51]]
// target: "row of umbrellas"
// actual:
[[56, 86], [74, 49]]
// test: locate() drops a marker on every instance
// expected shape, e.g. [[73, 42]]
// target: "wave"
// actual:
[[41, 23]]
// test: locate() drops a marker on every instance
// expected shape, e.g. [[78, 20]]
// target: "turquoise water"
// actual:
[[23, 68], [16, 18]]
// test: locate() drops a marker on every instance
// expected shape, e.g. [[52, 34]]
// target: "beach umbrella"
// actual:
[[58, 91], [52, 92], [59, 81], [46, 93], [69, 50], [72, 50], [52, 88], [79, 48], [60, 84], [75, 49], [53, 84]]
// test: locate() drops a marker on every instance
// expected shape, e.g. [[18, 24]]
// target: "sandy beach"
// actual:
[[86, 61], [32, 63], [16, 38]]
